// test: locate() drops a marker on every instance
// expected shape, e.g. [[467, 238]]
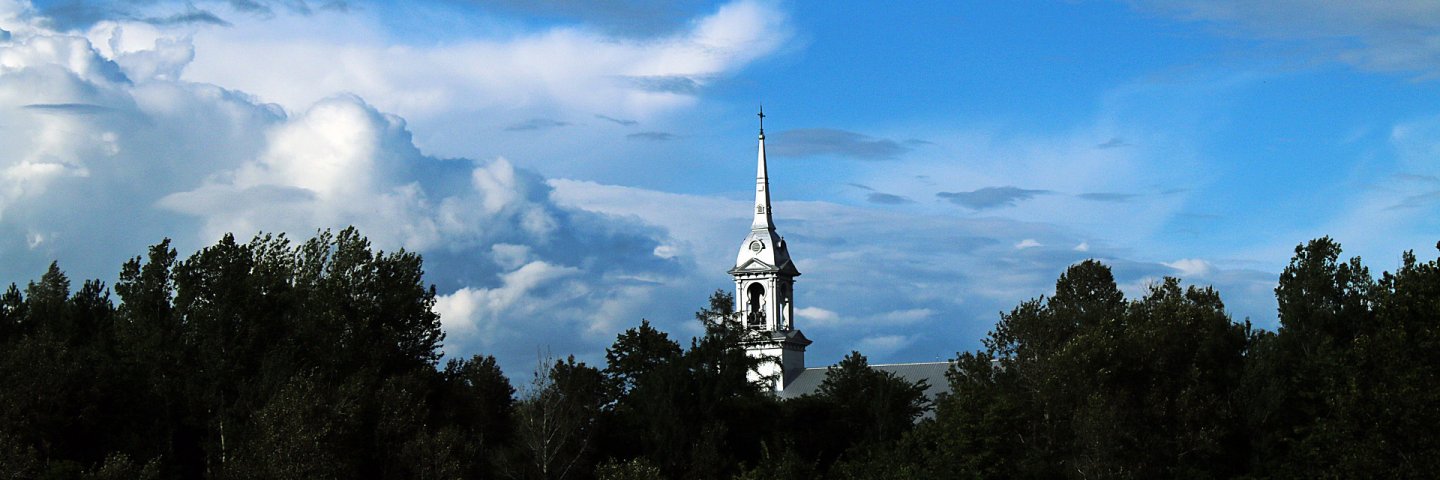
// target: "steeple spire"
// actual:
[[765, 290], [763, 220]]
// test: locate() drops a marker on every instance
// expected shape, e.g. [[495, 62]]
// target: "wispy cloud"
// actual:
[[887, 199], [82, 14], [1113, 142], [536, 124], [70, 108], [618, 121], [812, 142], [652, 136], [677, 84], [1417, 201], [536, 70], [1388, 36], [618, 17], [1109, 196], [879, 197], [1412, 177], [990, 197], [186, 18]]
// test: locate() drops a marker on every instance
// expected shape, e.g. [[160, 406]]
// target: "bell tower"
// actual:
[[765, 289]]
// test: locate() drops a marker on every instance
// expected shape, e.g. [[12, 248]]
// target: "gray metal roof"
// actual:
[[808, 382]]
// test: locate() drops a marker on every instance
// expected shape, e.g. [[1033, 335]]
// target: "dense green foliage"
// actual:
[[321, 359], [246, 360], [1086, 384]]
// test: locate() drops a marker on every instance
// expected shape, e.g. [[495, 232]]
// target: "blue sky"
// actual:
[[568, 168]]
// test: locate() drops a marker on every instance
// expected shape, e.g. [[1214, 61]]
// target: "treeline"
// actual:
[[270, 359]]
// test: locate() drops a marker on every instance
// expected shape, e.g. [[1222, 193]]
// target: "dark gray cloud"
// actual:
[[990, 197], [1412, 177], [263, 7], [887, 199], [1109, 197], [69, 108], [616, 17], [620, 121], [81, 14], [651, 136], [879, 197], [249, 6], [1113, 142], [1395, 36], [185, 18], [1416, 201], [677, 84], [536, 124], [813, 142]]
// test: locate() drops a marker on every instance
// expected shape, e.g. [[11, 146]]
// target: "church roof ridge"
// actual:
[[911, 363], [907, 364]]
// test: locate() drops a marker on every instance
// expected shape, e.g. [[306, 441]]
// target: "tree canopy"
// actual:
[[321, 359]]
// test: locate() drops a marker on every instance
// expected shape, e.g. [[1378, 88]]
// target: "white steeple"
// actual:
[[763, 249], [764, 288], [763, 220]]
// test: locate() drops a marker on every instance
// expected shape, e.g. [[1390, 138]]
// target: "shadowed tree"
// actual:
[[874, 406], [693, 413], [557, 419], [1084, 384]]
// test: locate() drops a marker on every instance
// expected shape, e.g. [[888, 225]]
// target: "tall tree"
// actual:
[[873, 406], [1084, 384], [700, 398], [1324, 306], [557, 420]]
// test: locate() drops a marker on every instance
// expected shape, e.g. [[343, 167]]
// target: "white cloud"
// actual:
[[1190, 267], [567, 68], [907, 316], [1027, 243], [477, 314], [882, 346], [816, 316]]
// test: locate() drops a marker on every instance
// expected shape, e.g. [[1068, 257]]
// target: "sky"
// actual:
[[568, 168]]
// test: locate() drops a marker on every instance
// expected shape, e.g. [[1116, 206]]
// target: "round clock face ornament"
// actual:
[[756, 245]]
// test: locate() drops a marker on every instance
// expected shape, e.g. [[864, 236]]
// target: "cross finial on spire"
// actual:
[[762, 118]]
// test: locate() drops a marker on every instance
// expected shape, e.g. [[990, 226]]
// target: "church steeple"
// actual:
[[763, 220], [765, 288], [764, 253]]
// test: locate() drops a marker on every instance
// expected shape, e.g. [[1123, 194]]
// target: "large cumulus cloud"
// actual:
[[106, 151]]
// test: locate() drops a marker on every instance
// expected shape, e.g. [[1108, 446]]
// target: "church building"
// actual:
[[765, 304]]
